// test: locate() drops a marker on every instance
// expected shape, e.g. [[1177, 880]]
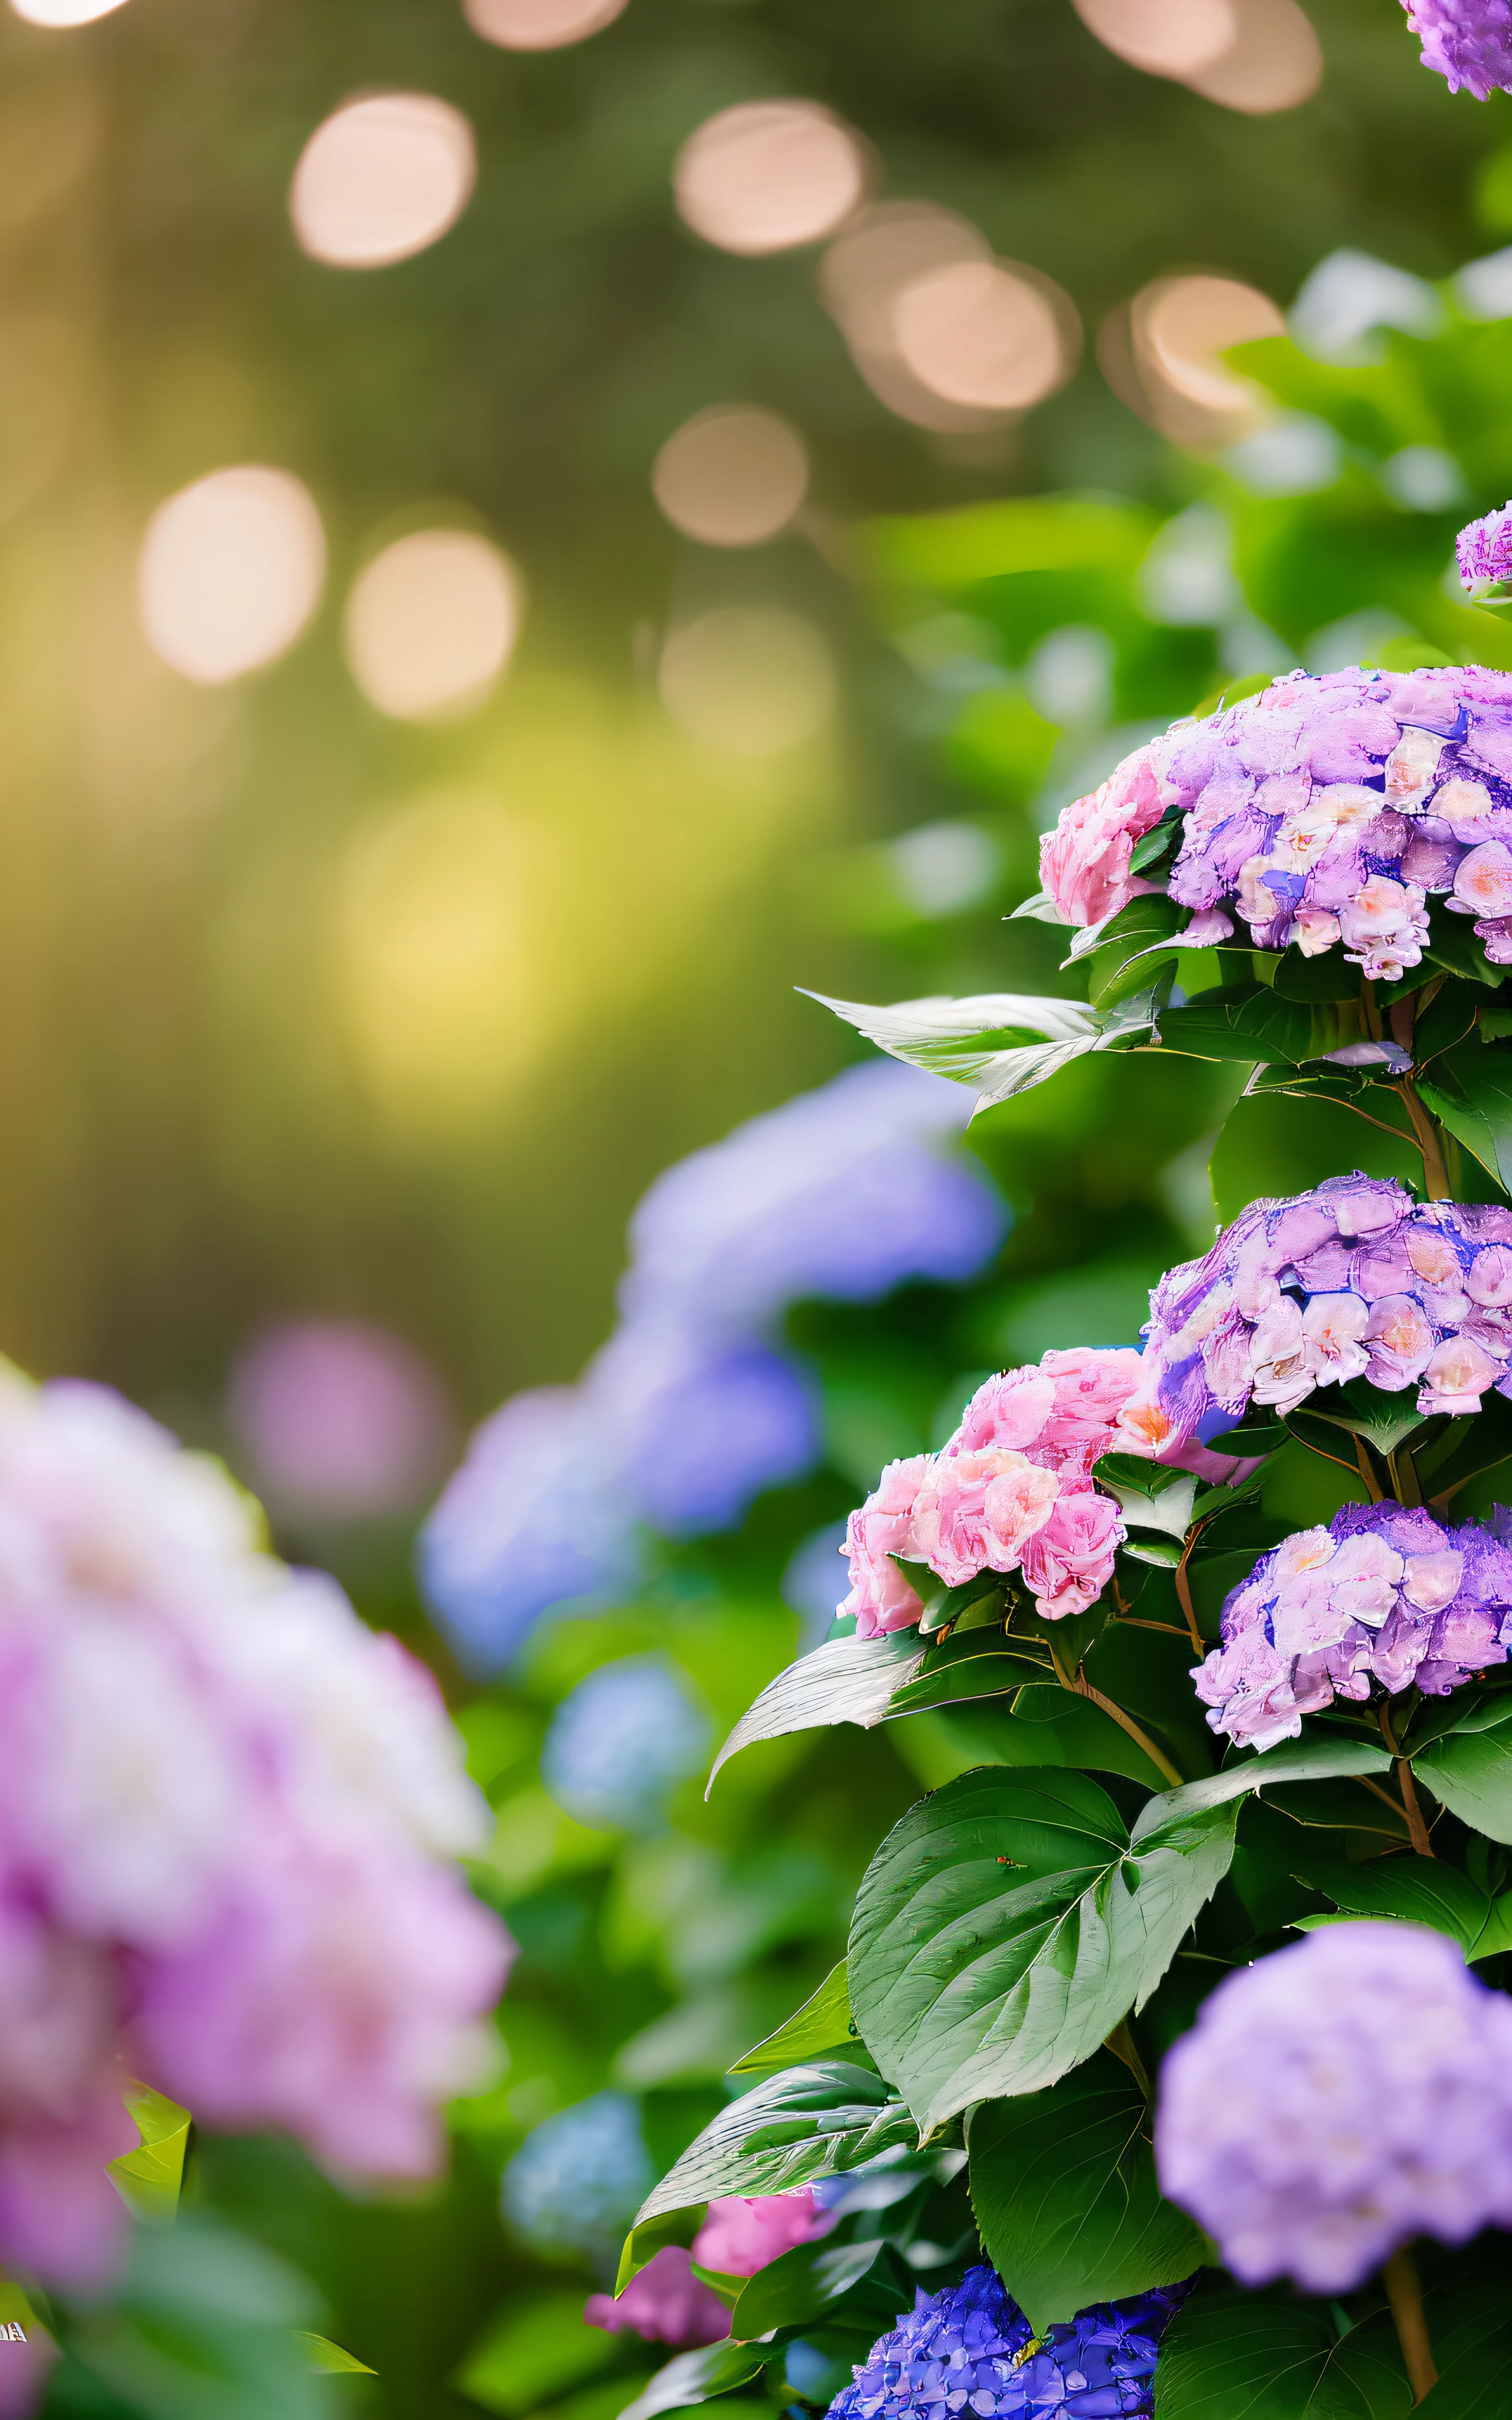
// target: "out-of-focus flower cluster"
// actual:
[[666, 2304], [1469, 41], [1326, 810], [1353, 1280], [692, 1408], [1382, 1594], [1012, 1491], [1336, 2098], [225, 1809], [970, 2348]]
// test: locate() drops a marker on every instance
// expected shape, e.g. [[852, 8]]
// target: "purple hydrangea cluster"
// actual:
[[1351, 1281], [691, 1408], [1382, 1595], [1483, 549], [1326, 810], [1336, 2098], [1468, 42], [970, 2348]]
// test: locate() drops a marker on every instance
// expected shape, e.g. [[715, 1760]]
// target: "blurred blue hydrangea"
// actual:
[[574, 2185], [618, 1746], [691, 1408]]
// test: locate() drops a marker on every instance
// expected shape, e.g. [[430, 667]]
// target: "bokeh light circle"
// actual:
[[751, 680], [431, 622], [1171, 38], [231, 571], [381, 178], [339, 1417], [64, 13], [731, 476], [976, 333], [540, 24], [768, 175]]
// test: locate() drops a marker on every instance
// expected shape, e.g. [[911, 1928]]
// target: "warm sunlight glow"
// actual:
[[63, 12], [231, 571], [752, 681], [768, 175], [431, 623], [731, 476], [382, 179]]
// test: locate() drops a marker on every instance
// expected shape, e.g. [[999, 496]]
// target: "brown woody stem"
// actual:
[[1405, 2294], [1417, 1830], [1426, 1129], [1079, 1683]]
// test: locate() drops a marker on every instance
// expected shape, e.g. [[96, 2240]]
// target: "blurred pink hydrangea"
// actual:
[[1468, 42], [340, 1417], [741, 2235], [227, 1812], [664, 2303], [1011, 1491]]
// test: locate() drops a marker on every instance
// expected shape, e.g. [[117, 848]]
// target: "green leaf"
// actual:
[[1252, 1024], [965, 1038], [1318, 1758], [1128, 950], [1474, 2367], [820, 2119], [1160, 1500], [1471, 1774], [982, 1667], [149, 2178], [845, 1681], [861, 2284], [531, 2352], [1063, 2187], [1238, 2357], [329, 2359], [697, 2378], [1419, 1890], [824, 2023], [1477, 1107], [1003, 1930]]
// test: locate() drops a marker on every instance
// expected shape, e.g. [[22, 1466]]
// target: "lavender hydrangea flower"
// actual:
[[1468, 42], [1325, 811], [1383, 1595], [1483, 549], [1353, 1280], [1336, 2098], [970, 2348]]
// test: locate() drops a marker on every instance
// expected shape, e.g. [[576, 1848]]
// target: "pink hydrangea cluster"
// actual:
[[666, 2304], [1353, 1280], [1336, 2098], [1468, 42], [1383, 1595], [1325, 811], [226, 1816], [1011, 1492]]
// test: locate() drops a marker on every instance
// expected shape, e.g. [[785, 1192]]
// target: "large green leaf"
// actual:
[[1419, 1890], [858, 2285], [1004, 1928], [1470, 1772], [1254, 1023], [815, 2120], [1240, 2357], [1063, 2187], [845, 1681], [1474, 2367], [1318, 1758], [1127, 948]]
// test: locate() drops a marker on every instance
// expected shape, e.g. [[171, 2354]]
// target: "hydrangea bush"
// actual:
[[1079, 2095]]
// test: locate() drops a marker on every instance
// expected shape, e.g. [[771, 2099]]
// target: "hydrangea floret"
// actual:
[[1483, 549], [1468, 42], [1011, 1492], [227, 1811], [1326, 812], [1336, 2098], [1354, 1279], [970, 2348], [1384, 1597]]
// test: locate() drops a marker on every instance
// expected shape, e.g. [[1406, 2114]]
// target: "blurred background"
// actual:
[[528, 530]]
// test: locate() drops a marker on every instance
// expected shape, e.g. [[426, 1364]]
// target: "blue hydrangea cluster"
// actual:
[[693, 1407], [970, 2348]]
